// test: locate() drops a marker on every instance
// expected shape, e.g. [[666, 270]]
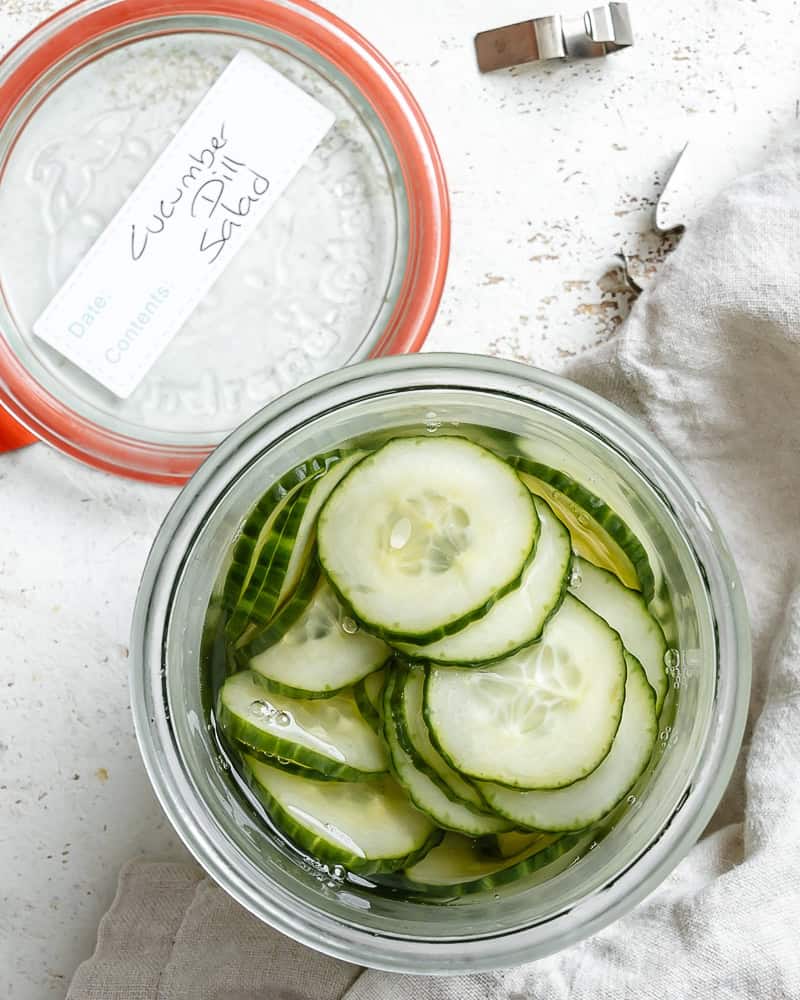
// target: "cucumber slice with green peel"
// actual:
[[368, 694], [412, 542], [456, 867], [284, 764], [426, 795], [254, 556], [252, 536], [542, 718], [281, 560], [598, 533], [306, 536], [369, 827], [416, 741], [258, 522], [259, 597], [626, 612], [517, 619], [323, 652], [328, 735], [296, 604], [588, 800], [507, 845], [373, 689]]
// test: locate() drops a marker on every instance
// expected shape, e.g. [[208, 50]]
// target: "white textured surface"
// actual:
[[552, 170]]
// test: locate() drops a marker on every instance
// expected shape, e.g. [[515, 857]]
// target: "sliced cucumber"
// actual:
[[542, 718], [588, 800], [456, 867], [306, 534], [369, 827], [416, 741], [626, 612], [285, 552], [598, 533], [368, 694], [518, 618], [323, 652], [328, 735], [254, 532], [423, 792], [286, 617], [284, 764], [412, 542], [259, 596], [506, 845], [257, 524]]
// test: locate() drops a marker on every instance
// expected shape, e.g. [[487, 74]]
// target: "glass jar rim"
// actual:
[[69, 30], [713, 767]]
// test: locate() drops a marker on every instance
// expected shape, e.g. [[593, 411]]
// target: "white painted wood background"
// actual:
[[552, 170]]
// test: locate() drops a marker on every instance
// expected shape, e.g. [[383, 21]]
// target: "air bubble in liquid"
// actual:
[[349, 626], [672, 659], [664, 734], [282, 760], [338, 872], [575, 579], [263, 709], [432, 422], [283, 719], [631, 800]]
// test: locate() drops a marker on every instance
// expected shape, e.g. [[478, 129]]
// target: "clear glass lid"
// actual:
[[349, 262]]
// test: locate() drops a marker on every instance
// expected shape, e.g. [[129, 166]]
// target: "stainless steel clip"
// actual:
[[596, 33]]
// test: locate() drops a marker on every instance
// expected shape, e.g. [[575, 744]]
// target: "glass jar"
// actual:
[[709, 663]]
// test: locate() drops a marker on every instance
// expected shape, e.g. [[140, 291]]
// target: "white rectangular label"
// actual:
[[173, 237]]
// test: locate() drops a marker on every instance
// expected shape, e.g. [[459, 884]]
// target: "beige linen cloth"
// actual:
[[710, 361]]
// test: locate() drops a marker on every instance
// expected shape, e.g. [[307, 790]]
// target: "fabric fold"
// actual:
[[136, 936]]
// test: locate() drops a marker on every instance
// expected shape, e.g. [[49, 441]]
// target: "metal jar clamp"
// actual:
[[595, 33]]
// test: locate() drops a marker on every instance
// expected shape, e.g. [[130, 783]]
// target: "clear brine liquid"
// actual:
[[593, 541]]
